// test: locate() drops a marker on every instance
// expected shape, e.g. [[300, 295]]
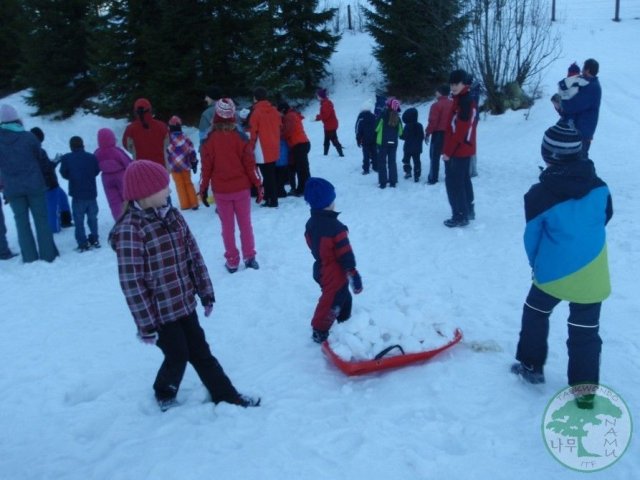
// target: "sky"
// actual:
[[77, 385]]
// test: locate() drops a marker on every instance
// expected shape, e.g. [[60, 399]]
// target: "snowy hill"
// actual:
[[76, 384]]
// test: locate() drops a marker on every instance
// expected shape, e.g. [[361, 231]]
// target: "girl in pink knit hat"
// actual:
[[161, 271]]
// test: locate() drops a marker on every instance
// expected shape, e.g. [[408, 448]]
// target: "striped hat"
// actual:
[[561, 144], [225, 110]]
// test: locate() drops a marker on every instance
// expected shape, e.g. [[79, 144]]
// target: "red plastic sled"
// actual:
[[383, 363]]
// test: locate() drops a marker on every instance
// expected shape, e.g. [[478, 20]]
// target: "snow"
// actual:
[[76, 384]]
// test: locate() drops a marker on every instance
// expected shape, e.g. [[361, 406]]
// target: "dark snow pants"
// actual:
[[584, 343], [435, 152], [417, 165], [300, 154], [183, 341], [459, 187], [387, 168], [369, 152], [332, 136]]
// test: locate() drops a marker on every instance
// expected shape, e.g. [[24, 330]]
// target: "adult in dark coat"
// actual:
[[584, 107], [22, 164]]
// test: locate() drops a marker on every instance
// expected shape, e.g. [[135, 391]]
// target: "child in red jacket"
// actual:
[[161, 270], [329, 121], [459, 147], [335, 264], [229, 166]]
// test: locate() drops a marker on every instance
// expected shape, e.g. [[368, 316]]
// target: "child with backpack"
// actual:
[[388, 129]]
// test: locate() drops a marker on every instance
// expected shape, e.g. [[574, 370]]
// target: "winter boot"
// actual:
[[167, 403], [533, 375], [94, 241], [245, 401], [456, 222], [85, 247], [252, 263], [230, 269]]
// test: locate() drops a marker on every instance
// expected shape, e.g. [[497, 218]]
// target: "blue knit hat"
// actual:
[[561, 144], [319, 193]]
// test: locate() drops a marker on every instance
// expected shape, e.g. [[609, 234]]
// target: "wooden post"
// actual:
[[349, 25], [617, 17], [553, 10]]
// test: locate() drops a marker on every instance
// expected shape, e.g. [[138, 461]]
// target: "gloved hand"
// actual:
[[194, 166], [426, 139], [260, 196], [203, 197], [149, 337], [355, 281], [208, 309]]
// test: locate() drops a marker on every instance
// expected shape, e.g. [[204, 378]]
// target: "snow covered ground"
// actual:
[[76, 389]]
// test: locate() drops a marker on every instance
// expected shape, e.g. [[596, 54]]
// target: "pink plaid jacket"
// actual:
[[160, 266]]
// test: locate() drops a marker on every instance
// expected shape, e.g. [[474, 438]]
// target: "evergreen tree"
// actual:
[[112, 49], [416, 40], [54, 55], [149, 49], [306, 45], [12, 30]]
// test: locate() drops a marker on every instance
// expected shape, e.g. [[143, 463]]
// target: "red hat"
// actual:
[[142, 103], [143, 178]]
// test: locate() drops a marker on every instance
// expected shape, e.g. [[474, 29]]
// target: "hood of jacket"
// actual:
[[106, 138], [571, 181], [410, 115], [10, 133]]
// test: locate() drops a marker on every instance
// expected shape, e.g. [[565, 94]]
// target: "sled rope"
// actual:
[[387, 350]]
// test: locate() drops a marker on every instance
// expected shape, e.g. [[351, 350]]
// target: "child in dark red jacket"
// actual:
[[329, 121], [459, 147], [335, 264], [161, 270]]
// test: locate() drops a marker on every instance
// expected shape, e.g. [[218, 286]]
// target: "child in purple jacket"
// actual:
[[113, 161]]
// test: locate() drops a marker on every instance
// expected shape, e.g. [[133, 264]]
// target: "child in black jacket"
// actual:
[[413, 136], [366, 137]]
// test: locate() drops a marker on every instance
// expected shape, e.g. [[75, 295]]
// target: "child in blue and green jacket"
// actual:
[[388, 129], [565, 241]]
